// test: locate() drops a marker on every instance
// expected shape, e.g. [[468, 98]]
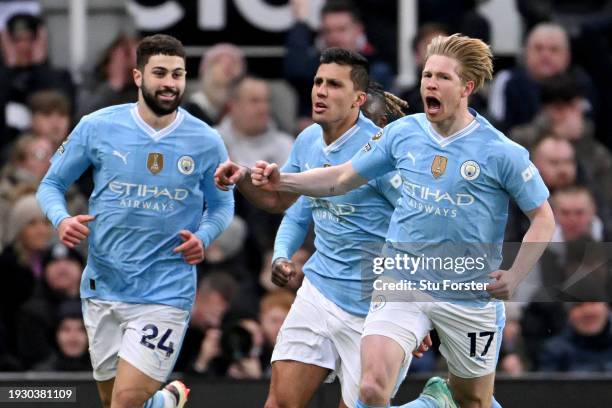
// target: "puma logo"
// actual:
[[411, 157], [123, 157]]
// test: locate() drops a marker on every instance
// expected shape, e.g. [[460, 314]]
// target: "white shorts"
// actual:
[[317, 331], [148, 336], [470, 336]]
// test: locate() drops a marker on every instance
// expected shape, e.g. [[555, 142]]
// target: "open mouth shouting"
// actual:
[[433, 105]]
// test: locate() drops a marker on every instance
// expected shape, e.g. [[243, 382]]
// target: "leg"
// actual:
[[294, 383], [381, 359], [472, 392], [132, 387], [470, 339], [105, 389], [303, 355]]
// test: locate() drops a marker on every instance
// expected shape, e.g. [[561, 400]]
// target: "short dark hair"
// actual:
[[50, 101], [23, 22], [561, 88], [158, 44], [341, 6], [357, 62]]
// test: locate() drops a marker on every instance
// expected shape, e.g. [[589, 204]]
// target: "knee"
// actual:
[[129, 399], [473, 400], [372, 390], [276, 400]]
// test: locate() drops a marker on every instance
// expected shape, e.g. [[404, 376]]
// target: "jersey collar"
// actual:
[[339, 142], [156, 134], [445, 141]]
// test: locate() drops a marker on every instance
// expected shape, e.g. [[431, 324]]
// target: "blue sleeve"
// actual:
[[219, 204], [520, 178], [375, 158], [293, 229], [69, 162], [389, 186], [292, 165]]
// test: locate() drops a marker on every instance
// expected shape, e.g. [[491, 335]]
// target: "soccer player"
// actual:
[[322, 333], [458, 173], [153, 212]]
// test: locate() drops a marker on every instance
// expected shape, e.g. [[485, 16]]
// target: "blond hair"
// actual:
[[474, 56]]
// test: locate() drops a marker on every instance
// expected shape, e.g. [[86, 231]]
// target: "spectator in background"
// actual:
[[28, 235], [573, 267], [247, 130], [273, 310], [576, 215], [341, 26], [113, 82], [250, 135], [515, 94], [24, 49], [220, 66], [50, 116], [214, 295], [562, 114], [71, 339], [28, 163], [555, 158], [37, 319], [585, 345]]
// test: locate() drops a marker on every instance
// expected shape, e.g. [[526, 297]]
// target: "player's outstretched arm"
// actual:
[[535, 241], [321, 182], [230, 173]]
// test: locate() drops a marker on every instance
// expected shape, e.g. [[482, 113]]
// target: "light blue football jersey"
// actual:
[[148, 185], [455, 195], [346, 226]]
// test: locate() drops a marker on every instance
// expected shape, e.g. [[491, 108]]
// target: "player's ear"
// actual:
[[360, 99], [468, 88], [137, 77]]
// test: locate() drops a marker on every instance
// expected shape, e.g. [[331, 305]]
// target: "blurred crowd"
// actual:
[[553, 98]]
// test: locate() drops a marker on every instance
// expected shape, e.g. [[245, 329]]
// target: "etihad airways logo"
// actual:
[[146, 191], [438, 196]]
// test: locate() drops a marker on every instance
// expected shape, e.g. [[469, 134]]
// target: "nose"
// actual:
[[430, 83]]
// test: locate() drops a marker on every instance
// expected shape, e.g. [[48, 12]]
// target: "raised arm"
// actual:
[[230, 173], [321, 182]]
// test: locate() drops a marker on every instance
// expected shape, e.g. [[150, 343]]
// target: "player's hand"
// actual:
[[423, 347], [73, 230], [283, 271], [229, 173], [265, 176], [504, 284], [192, 248]]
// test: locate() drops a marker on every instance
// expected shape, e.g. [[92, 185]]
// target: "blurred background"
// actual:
[[62, 59]]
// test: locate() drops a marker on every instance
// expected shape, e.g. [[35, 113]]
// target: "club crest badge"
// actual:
[[155, 162], [186, 165], [438, 166], [377, 136], [470, 170]]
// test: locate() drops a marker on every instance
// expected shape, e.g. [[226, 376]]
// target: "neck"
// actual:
[[454, 123], [152, 119], [332, 131]]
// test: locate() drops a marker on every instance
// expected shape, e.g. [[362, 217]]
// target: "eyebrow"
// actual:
[[166, 69]]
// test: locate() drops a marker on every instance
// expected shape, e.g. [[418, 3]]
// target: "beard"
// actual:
[[159, 107]]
